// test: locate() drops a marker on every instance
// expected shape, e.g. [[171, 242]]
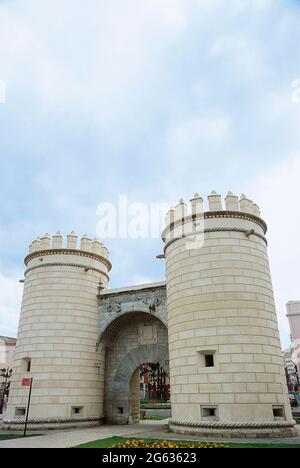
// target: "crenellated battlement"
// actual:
[[215, 203], [196, 208], [232, 212], [56, 242]]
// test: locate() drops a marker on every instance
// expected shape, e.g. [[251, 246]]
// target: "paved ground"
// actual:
[[156, 412], [146, 429], [70, 438]]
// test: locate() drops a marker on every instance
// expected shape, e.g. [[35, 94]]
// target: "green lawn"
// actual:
[[10, 436], [15, 436], [155, 404], [107, 443], [155, 407]]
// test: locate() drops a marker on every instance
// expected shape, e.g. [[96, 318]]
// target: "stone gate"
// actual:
[[83, 343], [133, 331]]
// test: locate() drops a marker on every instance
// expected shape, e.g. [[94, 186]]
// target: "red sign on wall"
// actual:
[[26, 382]]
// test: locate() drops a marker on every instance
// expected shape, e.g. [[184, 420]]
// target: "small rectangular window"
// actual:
[[278, 413], [209, 413], [26, 364], [20, 412], [209, 360], [77, 410], [121, 410]]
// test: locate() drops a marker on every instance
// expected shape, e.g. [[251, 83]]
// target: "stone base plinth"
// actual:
[[50, 423], [239, 430]]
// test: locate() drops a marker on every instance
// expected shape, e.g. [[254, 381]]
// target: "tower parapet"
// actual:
[[55, 242], [226, 369], [47, 250], [57, 335], [233, 207]]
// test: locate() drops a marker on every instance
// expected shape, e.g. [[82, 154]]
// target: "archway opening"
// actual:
[[150, 393], [131, 341]]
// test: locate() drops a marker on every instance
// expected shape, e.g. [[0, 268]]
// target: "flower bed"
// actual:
[[165, 444]]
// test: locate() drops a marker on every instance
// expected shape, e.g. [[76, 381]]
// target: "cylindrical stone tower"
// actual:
[[226, 366], [56, 343]]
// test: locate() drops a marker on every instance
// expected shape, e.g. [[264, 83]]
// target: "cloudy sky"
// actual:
[[153, 99]]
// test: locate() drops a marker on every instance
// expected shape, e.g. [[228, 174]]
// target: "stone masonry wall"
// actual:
[[220, 302], [58, 334]]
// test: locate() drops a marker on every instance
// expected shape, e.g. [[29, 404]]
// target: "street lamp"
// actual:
[[6, 374]]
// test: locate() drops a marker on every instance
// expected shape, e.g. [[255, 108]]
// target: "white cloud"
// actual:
[[188, 132], [242, 6], [277, 105], [141, 279], [70, 52], [277, 191], [186, 136], [10, 304], [189, 144], [244, 55]]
